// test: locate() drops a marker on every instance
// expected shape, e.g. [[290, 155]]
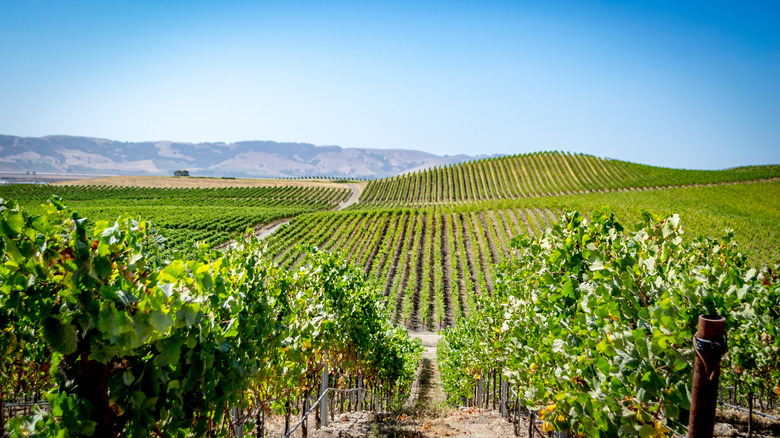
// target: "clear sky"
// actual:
[[693, 84]]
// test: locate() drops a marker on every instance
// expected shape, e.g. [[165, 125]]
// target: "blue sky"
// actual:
[[677, 84]]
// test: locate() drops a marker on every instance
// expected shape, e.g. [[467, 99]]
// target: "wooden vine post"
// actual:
[[504, 387], [360, 394], [710, 345]]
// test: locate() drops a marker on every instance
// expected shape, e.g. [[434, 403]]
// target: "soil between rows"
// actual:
[[423, 416]]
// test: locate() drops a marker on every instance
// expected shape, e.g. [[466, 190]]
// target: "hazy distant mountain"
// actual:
[[84, 155]]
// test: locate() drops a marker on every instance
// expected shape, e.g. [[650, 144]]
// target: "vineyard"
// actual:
[[469, 250], [186, 347], [182, 216], [540, 174], [434, 262], [592, 326]]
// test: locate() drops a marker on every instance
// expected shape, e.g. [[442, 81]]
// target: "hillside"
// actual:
[[431, 239], [540, 174], [254, 159]]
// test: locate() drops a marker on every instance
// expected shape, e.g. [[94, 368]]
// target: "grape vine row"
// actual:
[[125, 342], [539, 174]]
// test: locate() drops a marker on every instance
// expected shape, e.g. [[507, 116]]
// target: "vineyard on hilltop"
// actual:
[[540, 174]]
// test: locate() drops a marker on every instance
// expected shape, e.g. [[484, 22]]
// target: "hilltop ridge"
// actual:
[[541, 174], [252, 159]]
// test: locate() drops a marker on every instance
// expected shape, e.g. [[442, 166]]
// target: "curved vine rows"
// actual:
[[539, 174]]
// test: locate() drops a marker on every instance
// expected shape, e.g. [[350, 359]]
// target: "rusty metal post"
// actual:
[[710, 345]]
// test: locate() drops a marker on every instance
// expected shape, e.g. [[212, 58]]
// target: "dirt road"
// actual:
[[425, 414], [266, 230]]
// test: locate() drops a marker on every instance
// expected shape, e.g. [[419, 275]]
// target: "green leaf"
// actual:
[[170, 352], [13, 223], [102, 266], [60, 336], [741, 292], [189, 313], [646, 431], [174, 271], [104, 353], [596, 264], [160, 321]]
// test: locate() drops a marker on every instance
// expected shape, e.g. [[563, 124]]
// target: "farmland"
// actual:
[[184, 215], [430, 240], [540, 174], [432, 262], [437, 249]]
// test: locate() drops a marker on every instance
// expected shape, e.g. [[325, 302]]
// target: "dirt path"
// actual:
[[427, 395], [269, 228], [424, 414], [357, 189], [266, 230]]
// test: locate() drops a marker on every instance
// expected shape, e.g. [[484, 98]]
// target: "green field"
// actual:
[[433, 261]]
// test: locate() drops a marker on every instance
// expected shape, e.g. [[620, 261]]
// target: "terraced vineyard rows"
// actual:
[[433, 262], [539, 174]]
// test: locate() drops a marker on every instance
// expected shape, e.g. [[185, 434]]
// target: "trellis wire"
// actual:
[[535, 428], [755, 412], [306, 416]]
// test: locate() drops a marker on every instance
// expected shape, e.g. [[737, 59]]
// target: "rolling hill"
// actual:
[[85, 155]]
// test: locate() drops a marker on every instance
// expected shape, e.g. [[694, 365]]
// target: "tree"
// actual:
[[181, 173]]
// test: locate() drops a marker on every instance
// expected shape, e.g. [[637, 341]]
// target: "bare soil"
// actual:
[[469, 254], [499, 226], [489, 238], [446, 260], [459, 268], [516, 228], [422, 417], [435, 230], [480, 253], [414, 318], [370, 238], [380, 241], [393, 271], [522, 214], [355, 238]]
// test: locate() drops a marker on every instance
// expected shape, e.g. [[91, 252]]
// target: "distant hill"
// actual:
[[85, 155]]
